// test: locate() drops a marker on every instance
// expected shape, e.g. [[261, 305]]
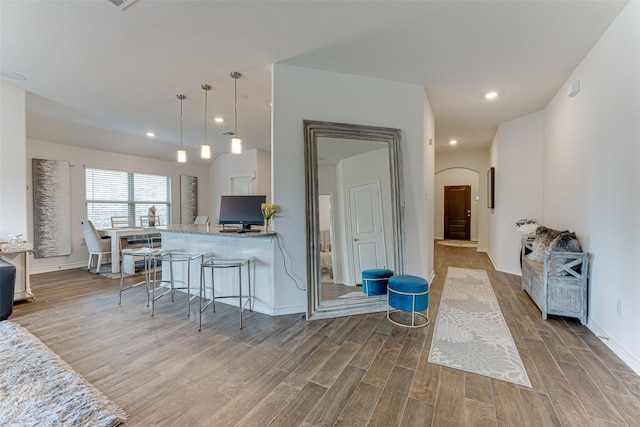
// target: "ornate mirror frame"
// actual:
[[313, 130]]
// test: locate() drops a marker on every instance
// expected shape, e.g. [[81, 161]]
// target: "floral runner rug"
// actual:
[[470, 332]]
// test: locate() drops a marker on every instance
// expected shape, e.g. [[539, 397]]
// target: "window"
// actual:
[[117, 193]]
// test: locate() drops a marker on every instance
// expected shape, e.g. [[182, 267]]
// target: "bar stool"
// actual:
[[149, 254], [174, 250], [374, 281], [408, 294], [223, 255]]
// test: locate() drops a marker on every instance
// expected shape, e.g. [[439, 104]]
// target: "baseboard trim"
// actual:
[[614, 346], [51, 268]]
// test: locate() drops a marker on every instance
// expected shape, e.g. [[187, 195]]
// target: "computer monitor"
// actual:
[[242, 210]]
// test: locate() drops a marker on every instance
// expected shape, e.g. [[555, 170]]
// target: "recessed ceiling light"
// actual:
[[453, 142], [151, 134], [491, 95], [218, 119]]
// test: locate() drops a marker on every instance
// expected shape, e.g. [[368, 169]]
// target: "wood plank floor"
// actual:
[[351, 371]]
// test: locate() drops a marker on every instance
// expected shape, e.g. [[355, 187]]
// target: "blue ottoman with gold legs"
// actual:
[[408, 294], [374, 281]]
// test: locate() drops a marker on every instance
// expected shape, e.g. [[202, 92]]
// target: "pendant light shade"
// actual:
[[182, 155], [205, 149], [236, 146], [236, 142]]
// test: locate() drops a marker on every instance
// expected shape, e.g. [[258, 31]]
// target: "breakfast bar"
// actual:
[[197, 239]]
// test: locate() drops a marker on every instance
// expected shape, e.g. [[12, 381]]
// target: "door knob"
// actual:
[[356, 239]]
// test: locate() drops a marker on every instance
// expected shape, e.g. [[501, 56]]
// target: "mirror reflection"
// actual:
[[354, 199], [354, 206]]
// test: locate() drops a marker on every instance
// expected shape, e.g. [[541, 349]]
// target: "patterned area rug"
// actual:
[[105, 270], [470, 332], [37, 388], [459, 243]]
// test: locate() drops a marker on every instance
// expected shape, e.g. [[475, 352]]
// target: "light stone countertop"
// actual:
[[213, 230]]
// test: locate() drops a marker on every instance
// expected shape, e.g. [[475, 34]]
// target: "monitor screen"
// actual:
[[243, 210]]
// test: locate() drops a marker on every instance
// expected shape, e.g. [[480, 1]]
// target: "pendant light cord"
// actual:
[[235, 81]]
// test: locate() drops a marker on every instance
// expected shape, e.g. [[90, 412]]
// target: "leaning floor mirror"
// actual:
[[355, 214]]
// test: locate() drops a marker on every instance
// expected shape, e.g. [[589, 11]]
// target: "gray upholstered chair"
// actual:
[[95, 244], [201, 219]]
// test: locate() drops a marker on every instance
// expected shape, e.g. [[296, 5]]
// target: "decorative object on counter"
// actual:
[[268, 210], [527, 227], [14, 247], [15, 238], [152, 216]]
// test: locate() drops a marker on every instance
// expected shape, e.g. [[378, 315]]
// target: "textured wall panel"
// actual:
[[51, 208]]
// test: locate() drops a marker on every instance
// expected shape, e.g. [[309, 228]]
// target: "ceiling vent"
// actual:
[[121, 4]]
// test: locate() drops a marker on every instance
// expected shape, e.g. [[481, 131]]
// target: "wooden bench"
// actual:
[[559, 285]]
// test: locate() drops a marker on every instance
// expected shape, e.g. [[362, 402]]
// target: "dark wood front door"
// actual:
[[457, 212]]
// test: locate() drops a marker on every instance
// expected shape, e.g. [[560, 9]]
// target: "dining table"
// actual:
[[116, 235]]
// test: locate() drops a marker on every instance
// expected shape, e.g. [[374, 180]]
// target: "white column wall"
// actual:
[[13, 162], [591, 157], [299, 94], [518, 186]]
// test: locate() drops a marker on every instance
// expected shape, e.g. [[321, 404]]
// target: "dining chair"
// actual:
[[149, 221], [97, 245], [120, 222]]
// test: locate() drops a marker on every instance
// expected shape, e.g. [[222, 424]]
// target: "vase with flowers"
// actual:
[[268, 210]]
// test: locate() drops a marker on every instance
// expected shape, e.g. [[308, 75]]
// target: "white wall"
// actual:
[[263, 173], [456, 176], [300, 94], [252, 163], [81, 157], [591, 167], [13, 162], [518, 186], [477, 161], [425, 223]]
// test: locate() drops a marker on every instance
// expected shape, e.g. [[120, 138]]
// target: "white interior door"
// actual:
[[240, 185], [367, 233]]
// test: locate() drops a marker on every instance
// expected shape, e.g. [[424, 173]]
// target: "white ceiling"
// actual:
[[101, 76]]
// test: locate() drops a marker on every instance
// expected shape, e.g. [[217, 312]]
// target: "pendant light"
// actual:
[[236, 143], [182, 155], [205, 149]]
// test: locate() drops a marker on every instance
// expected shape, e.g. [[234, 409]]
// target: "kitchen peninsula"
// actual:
[[257, 245]]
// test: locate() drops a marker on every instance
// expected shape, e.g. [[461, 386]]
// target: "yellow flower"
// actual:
[[268, 210]]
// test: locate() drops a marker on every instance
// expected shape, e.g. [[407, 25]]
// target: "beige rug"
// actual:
[[458, 243], [470, 332], [38, 388]]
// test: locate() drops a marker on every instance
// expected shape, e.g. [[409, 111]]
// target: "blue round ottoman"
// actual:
[[374, 281], [408, 294]]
